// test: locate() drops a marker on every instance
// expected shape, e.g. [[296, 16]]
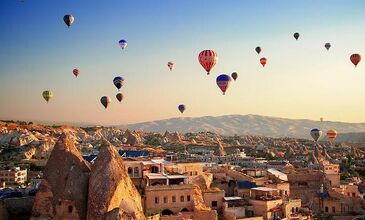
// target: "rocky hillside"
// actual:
[[246, 124]]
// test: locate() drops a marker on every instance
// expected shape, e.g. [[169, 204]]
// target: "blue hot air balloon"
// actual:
[[316, 134], [123, 44], [223, 82], [118, 82], [181, 108]]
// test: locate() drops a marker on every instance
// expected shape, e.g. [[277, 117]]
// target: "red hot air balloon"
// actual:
[[208, 58], [263, 61], [331, 135], [223, 82], [355, 59], [76, 72]]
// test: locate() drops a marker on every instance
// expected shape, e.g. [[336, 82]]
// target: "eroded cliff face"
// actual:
[[63, 193], [112, 194]]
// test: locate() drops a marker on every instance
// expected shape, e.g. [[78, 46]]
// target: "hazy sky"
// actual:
[[300, 80]]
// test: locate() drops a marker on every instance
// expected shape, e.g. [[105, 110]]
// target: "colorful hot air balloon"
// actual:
[[327, 46], [123, 44], [331, 135], [263, 61], [258, 50], [208, 58], [234, 75], [76, 72], [170, 65], [296, 35], [355, 59], [105, 101], [47, 95], [181, 108], [223, 82], [68, 19], [119, 97], [316, 134], [118, 82]]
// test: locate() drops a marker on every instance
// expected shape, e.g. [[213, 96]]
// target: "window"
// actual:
[[136, 172], [70, 208], [326, 209], [188, 198], [130, 171], [297, 209], [156, 200], [353, 194], [333, 209], [165, 199], [181, 198], [173, 198], [214, 204], [292, 209]]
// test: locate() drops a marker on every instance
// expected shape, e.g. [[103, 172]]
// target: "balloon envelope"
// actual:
[[223, 82], [181, 108], [263, 61], [76, 72], [119, 96], [170, 65], [105, 101], [331, 135], [68, 19], [118, 82], [316, 134], [234, 76], [258, 50], [327, 46], [208, 58], [123, 44], [355, 58], [321, 119], [47, 95], [296, 35]]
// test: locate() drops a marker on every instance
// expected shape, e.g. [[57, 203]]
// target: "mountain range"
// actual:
[[251, 125]]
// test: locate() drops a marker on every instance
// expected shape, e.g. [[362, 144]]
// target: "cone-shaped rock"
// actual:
[[112, 194], [63, 192]]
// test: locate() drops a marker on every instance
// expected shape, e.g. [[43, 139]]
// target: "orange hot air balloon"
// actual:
[[208, 58], [263, 61], [355, 58], [331, 135]]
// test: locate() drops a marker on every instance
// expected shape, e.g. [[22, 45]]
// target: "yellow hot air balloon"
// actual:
[[47, 95], [321, 119]]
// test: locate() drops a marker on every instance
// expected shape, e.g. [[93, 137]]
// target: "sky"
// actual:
[[300, 80]]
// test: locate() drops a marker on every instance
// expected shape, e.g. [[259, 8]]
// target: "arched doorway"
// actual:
[[167, 212], [184, 210]]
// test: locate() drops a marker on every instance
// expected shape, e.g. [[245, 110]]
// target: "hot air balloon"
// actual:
[[355, 58], [68, 19], [123, 44], [105, 101], [181, 108], [331, 135], [118, 82], [316, 134], [327, 46], [208, 58], [119, 97], [234, 75], [263, 61], [47, 95], [76, 72], [258, 50], [296, 35], [321, 119], [170, 65], [124, 140], [223, 82]]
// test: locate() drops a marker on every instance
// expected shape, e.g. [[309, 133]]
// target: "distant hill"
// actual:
[[249, 124]]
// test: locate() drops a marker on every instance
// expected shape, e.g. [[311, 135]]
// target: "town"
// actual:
[[63, 172]]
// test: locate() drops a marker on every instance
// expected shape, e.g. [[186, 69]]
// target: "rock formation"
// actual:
[[63, 192], [221, 151], [113, 194]]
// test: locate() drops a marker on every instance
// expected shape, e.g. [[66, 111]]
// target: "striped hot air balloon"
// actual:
[[170, 65], [76, 72], [223, 82], [47, 95], [208, 58], [331, 135]]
